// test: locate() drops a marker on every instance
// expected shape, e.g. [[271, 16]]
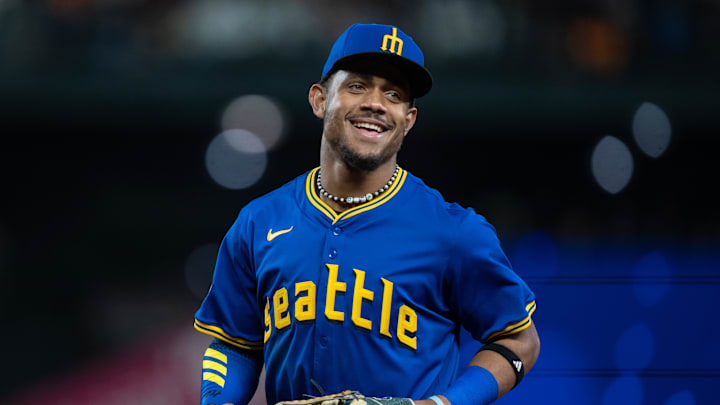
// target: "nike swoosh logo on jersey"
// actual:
[[272, 235]]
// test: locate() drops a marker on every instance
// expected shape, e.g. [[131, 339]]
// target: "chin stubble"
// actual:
[[367, 162], [356, 161]]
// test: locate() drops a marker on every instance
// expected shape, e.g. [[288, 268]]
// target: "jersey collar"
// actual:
[[315, 200]]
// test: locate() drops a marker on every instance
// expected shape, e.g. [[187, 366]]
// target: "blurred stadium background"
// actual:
[[134, 131]]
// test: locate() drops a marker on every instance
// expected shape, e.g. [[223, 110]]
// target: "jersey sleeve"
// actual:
[[486, 294], [230, 310]]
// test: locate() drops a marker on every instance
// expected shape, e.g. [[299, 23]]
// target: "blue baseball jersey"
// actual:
[[371, 299]]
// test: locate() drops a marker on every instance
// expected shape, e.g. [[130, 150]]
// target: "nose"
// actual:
[[374, 101]]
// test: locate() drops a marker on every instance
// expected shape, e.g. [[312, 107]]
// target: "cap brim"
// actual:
[[418, 77]]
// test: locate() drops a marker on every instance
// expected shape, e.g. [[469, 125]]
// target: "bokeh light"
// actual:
[[651, 267], [258, 114], [651, 129], [562, 355], [478, 27], [597, 44], [624, 390], [635, 347], [681, 398], [236, 159], [612, 164], [242, 28], [199, 268]]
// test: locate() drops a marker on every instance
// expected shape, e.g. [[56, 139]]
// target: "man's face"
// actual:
[[366, 118]]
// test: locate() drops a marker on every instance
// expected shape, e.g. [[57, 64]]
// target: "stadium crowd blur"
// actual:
[[583, 121]]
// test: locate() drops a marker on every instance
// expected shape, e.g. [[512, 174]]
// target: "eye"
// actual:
[[393, 95], [355, 87]]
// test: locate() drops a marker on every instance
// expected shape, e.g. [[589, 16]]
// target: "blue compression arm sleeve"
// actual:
[[477, 386], [229, 374]]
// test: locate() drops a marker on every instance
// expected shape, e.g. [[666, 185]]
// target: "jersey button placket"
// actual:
[[336, 231], [322, 341]]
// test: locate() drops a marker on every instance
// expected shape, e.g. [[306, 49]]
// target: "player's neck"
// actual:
[[339, 179]]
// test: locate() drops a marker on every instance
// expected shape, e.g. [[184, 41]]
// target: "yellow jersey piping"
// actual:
[[330, 213], [516, 327], [222, 335], [314, 199]]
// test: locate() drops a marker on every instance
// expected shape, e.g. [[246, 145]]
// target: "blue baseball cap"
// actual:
[[385, 43]]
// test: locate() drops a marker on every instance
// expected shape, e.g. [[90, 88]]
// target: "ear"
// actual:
[[410, 118], [318, 100]]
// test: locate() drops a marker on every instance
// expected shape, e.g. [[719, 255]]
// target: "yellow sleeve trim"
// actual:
[[214, 378], [212, 365], [516, 327], [220, 334]]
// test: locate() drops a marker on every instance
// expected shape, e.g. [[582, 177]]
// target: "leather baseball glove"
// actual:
[[349, 398]]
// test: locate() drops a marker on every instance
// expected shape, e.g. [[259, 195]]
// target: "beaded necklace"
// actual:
[[355, 200]]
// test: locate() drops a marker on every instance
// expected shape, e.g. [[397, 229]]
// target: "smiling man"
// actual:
[[356, 275]]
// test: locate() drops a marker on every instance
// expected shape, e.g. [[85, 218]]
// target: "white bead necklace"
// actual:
[[355, 200]]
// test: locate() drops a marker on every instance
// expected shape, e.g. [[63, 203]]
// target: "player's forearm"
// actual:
[[230, 374], [495, 373], [526, 345]]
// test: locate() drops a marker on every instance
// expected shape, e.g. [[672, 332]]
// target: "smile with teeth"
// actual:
[[372, 127]]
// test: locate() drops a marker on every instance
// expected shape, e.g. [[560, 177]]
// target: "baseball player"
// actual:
[[356, 275]]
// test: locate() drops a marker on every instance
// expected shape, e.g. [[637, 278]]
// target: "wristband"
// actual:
[[476, 386], [512, 358], [437, 400]]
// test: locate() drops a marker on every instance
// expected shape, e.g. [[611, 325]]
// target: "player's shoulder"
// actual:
[[439, 207], [450, 219]]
